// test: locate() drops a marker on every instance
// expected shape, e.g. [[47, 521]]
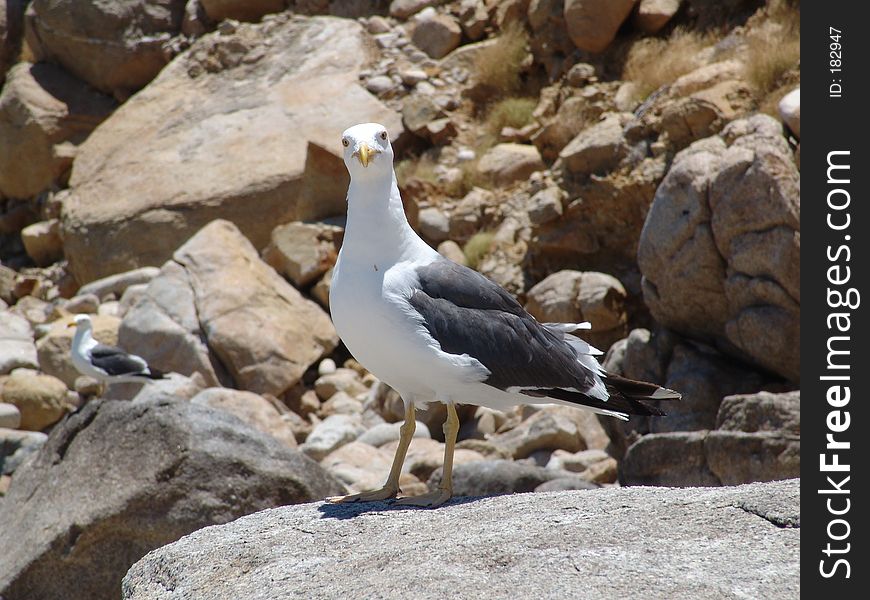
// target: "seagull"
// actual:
[[107, 364], [437, 331]]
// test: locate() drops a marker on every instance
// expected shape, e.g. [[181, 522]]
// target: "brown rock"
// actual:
[[652, 15], [342, 380], [437, 35], [240, 10], [42, 242], [44, 115], [546, 429], [16, 343], [40, 398], [259, 327], [669, 459], [251, 408], [575, 297], [233, 95], [358, 466], [705, 112], [597, 148], [303, 252], [117, 47], [592, 24], [507, 163]]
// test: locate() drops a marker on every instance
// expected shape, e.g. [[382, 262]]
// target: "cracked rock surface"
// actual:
[[731, 542]]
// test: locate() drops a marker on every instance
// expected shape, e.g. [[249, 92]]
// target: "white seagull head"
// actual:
[[81, 321], [367, 151]]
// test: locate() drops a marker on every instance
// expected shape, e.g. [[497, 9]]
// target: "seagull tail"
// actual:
[[152, 373], [638, 394]]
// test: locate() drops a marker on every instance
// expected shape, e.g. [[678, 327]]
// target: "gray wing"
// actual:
[[115, 361], [469, 314]]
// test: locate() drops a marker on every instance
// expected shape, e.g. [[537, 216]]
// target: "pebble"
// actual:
[[379, 84], [331, 433], [384, 433], [326, 367]]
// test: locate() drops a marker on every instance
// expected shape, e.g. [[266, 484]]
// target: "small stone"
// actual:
[[326, 367], [82, 304], [545, 206], [790, 111], [604, 471], [543, 430], [341, 380], [379, 84], [580, 74], [576, 462], [303, 252], [402, 9], [331, 433], [39, 398], [16, 446], [465, 154], [561, 484], [434, 225], [340, 403], [358, 465], [42, 242], [507, 163], [436, 35], [377, 24], [652, 15], [441, 131], [118, 284], [112, 308], [451, 251], [10, 416], [385, 433], [412, 77]]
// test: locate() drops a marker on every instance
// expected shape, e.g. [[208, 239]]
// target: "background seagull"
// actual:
[[107, 364], [438, 331]]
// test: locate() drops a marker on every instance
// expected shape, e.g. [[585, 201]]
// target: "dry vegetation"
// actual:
[[510, 112], [654, 62], [773, 52], [477, 247], [499, 67]]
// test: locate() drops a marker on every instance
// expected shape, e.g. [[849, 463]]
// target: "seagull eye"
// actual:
[[345, 143], [384, 135]]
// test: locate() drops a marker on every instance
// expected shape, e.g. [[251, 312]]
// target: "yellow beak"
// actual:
[[70, 324], [364, 154]]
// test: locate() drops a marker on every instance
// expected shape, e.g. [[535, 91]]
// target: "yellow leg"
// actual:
[[445, 490], [391, 487]]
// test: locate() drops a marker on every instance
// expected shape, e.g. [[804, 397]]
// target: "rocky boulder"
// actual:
[[45, 114], [757, 439], [592, 24], [720, 249], [73, 525], [243, 126], [303, 252], [575, 297], [117, 47], [217, 309], [723, 542]]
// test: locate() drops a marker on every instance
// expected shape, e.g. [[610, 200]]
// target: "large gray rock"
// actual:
[[116, 46], [217, 309], [709, 543], [243, 126], [45, 113], [720, 249], [757, 439], [73, 525]]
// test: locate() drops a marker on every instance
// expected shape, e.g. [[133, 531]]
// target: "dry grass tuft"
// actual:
[[510, 112], [477, 247], [422, 169], [654, 62], [774, 50], [498, 67]]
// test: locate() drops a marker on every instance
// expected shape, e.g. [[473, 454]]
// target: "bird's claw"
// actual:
[[430, 500], [384, 493]]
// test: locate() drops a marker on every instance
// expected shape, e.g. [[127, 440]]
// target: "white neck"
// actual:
[[377, 229], [81, 337]]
